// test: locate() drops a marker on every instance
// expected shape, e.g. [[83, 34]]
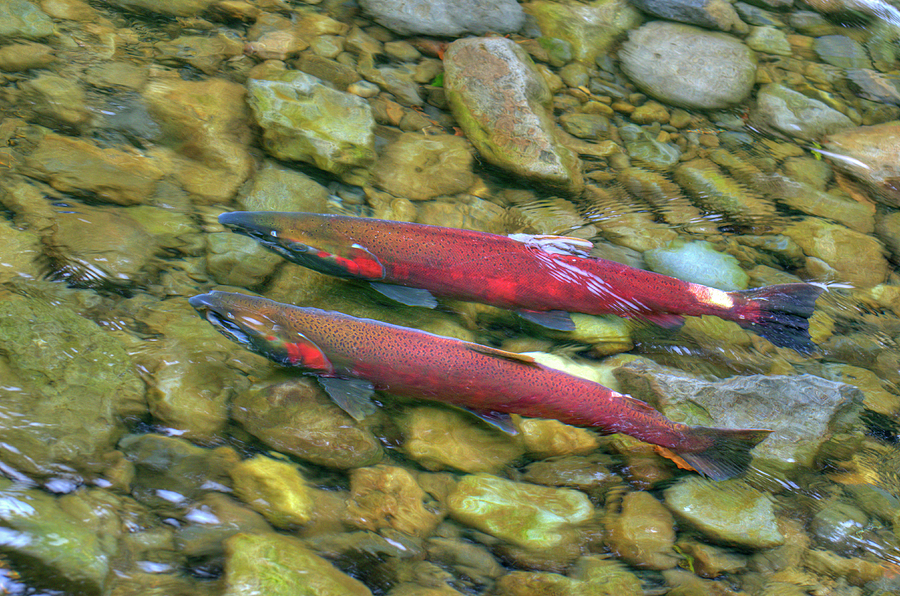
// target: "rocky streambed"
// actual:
[[735, 144]]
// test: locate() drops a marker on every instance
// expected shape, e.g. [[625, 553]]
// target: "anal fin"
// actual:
[[354, 396], [405, 295], [551, 319]]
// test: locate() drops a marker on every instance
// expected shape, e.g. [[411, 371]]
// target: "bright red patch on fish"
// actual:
[[308, 355]]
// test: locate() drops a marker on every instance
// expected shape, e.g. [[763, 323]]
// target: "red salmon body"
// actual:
[[345, 350], [533, 275]]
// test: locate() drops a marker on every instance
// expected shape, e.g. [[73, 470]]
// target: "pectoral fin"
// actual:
[[551, 319], [404, 295], [354, 396], [499, 420]]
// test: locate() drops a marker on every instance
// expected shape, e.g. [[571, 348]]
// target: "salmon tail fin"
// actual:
[[779, 313], [728, 453]]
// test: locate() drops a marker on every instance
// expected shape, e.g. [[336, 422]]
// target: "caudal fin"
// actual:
[[728, 453], [779, 313]]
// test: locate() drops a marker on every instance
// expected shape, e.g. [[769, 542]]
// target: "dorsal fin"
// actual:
[[512, 356], [559, 245]]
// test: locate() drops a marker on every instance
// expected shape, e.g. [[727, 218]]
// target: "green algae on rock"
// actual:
[[421, 167], [528, 516], [729, 511], [278, 565], [66, 385], [58, 544], [642, 533], [304, 120], [274, 488]]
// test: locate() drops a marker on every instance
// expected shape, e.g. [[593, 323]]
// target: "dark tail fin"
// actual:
[[779, 313], [728, 453]]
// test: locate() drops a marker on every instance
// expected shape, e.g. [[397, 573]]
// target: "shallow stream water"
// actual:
[[143, 453]]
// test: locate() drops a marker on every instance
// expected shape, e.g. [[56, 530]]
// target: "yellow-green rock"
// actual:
[[277, 565], [525, 515], [275, 489]]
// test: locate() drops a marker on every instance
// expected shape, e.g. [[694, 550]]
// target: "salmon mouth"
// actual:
[[246, 223], [205, 306]]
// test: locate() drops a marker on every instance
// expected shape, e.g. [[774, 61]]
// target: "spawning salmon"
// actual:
[[353, 357], [543, 278]]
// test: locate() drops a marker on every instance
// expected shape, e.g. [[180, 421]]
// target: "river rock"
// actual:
[[67, 383], [698, 262], [208, 123], [852, 257], [441, 438], [190, 383], [57, 101], [420, 167], [446, 19], [712, 14], [804, 411], [841, 51], [25, 56], [240, 261], [274, 488], [214, 519], [20, 18], [120, 176], [689, 67], [296, 417], [534, 518], [172, 472], [712, 189], [804, 197], [796, 115], [869, 154], [54, 542], [305, 120], [20, 251], [278, 188], [279, 565], [728, 512], [642, 533], [389, 497], [502, 104], [590, 29], [175, 8]]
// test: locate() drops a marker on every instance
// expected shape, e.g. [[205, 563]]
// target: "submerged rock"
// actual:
[[590, 29], [20, 251], [797, 115], [420, 167], [278, 188], [687, 66], [502, 104], [297, 417], [446, 19], [698, 262], [642, 533], [208, 124], [537, 519], [214, 519], [805, 412], [20, 18], [439, 438], [869, 154], [305, 120], [275, 489], [55, 543], [67, 383], [729, 511], [278, 565], [389, 497]]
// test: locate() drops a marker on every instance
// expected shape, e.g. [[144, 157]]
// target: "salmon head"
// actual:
[[262, 326], [323, 243]]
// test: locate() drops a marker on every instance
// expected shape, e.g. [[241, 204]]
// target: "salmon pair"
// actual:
[[543, 278]]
